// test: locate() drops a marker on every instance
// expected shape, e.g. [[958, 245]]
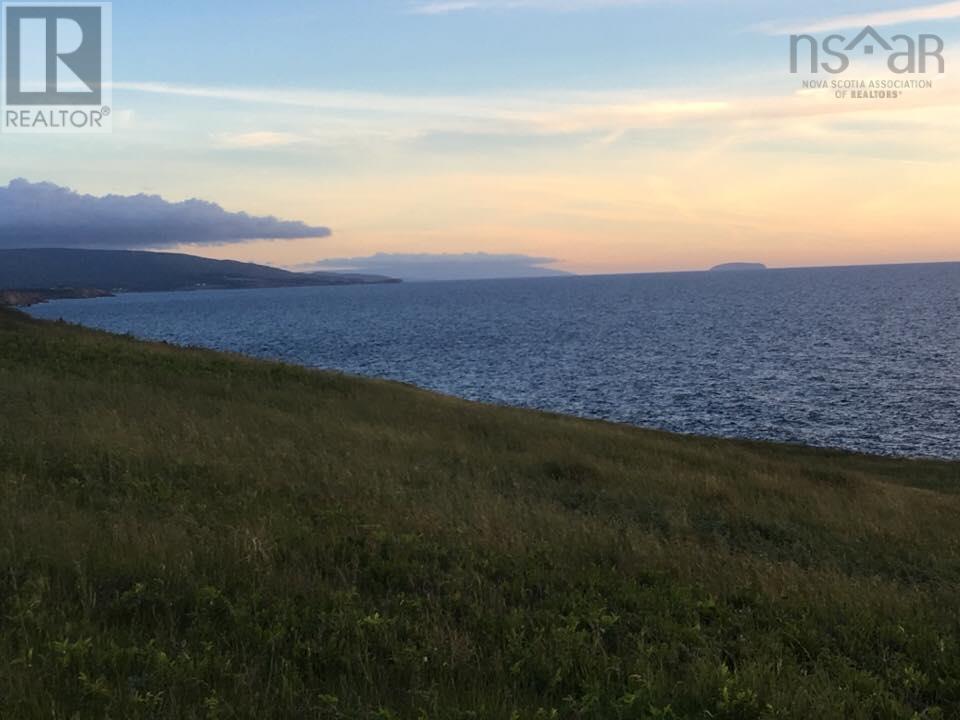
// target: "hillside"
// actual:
[[25, 297], [138, 271], [189, 534]]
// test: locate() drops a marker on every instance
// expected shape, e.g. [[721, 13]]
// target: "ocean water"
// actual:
[[864, 359]]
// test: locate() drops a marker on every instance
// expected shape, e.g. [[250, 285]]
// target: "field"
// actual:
[[188, 534]]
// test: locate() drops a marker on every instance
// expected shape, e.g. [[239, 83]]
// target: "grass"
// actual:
[[188, 534]]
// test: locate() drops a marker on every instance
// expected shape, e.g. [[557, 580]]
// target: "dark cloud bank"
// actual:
[[47, 215], [422, 267]]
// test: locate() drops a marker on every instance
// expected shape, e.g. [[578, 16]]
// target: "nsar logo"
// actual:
[[905, 54]]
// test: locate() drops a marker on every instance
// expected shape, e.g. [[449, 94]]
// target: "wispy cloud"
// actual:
[[444, 7], [600, 118], [921, 13], [442, 266], [532, 113], [255, 139]]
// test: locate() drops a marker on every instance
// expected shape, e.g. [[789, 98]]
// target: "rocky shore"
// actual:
[[26, 298]]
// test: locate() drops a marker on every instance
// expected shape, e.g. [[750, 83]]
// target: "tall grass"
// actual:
[[187, 534]]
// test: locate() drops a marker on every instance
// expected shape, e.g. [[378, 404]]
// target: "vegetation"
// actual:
[[54, 269], [188, 534], [27, 297]]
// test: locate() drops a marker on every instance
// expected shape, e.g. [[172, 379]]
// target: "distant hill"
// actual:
[[138, 271], [738, 266]]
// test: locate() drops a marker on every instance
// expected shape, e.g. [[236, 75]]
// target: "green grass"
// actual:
[[186, 534]]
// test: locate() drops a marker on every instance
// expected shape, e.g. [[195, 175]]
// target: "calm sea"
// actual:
[[865, 359]]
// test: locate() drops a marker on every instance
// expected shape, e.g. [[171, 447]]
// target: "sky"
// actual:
[[608, 135]]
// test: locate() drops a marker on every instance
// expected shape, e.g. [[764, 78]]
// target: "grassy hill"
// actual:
[[187, 534]]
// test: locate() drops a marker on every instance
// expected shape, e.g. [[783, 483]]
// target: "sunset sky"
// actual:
[[612, 135]]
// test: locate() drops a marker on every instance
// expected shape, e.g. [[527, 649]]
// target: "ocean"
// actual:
[[864, 359]]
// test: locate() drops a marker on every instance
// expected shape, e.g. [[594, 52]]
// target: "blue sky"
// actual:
[[609, 134], [386, 45], [382, 46]]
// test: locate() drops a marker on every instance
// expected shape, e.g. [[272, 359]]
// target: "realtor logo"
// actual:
[[56, 67]]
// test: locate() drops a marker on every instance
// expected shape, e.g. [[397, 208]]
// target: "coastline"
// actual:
[[28, 298], [379, 525], [806, 379], [827, 450], [304, 541]]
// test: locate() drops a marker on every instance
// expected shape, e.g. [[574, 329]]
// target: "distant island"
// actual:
[[738, 266], [29, 276]]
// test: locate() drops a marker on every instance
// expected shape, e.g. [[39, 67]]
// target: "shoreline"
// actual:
[[30, 297], [829, 450], [287, 540]]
